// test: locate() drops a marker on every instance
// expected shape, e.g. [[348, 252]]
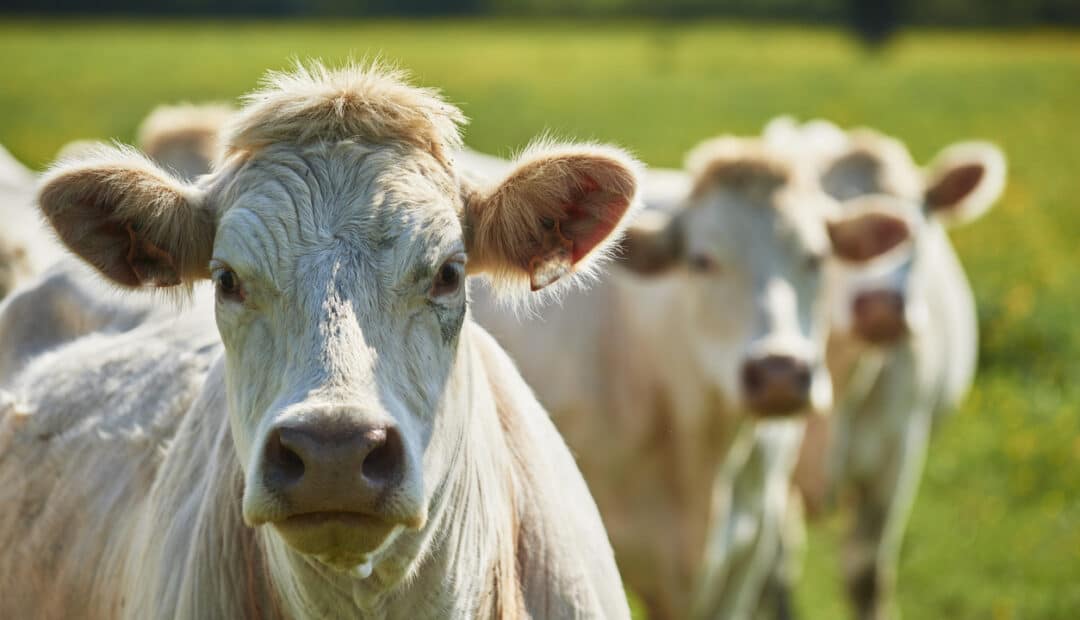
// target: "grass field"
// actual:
[[996, 529]]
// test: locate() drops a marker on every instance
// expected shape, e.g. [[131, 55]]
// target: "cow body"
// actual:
[[893, 385], [124, 501], [347, 442], [648, 431], [652, 402], [25, 247]]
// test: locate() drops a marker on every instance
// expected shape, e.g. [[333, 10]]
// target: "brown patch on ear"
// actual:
[[554, 259], [150, 265], [131, 221], [954, 186], [866, 236]]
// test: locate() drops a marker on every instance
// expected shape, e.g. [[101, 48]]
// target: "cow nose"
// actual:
[[333, 465], [776, 385], [879, 316]]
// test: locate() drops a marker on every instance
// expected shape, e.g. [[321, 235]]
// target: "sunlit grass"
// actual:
[[996, 530]]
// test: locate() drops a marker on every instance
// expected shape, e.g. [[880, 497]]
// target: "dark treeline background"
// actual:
[[871, 16]]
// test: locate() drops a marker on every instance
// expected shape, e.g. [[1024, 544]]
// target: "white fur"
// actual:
[[642, 374], [335, 206], [887, 398], [25, 247]]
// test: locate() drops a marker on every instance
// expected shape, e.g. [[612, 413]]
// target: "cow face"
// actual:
[[873, 296], [881, 302], [338, 242], [751, 244], [758, 245]]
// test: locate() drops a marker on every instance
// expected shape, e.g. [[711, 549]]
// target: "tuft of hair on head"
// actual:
[[366, 100], [184, 127], [884, 162], [743, 164], [103, 193], [600, 180]]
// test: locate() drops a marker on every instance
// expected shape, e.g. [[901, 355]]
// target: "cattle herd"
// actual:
[[657, 378]]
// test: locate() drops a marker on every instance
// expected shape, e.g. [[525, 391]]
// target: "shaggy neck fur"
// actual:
[[461, 564]]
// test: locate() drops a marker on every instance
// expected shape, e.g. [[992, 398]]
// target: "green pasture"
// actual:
[[996, 529]]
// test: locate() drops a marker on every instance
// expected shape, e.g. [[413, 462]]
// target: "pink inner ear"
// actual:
[[590, 216]]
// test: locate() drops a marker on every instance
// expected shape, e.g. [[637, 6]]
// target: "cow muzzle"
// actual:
[[337, 487], [879, 317], [777, 385]]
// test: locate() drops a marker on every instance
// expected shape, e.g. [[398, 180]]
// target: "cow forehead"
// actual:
[[876, 166], [388, 205], [749, 223]]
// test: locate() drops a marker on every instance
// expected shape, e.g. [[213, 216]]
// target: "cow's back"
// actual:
[[626, 396], [85, 427], [952, 307], [26, 247], [65, 303]]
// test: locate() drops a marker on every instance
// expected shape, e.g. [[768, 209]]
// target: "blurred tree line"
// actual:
[[872, 18]]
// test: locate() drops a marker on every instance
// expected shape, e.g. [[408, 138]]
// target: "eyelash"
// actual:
[[703, 263], [449, 277], [224, 276]]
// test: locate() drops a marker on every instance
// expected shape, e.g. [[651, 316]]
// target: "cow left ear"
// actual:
[[556, 212], [871, 226], [963, 181]]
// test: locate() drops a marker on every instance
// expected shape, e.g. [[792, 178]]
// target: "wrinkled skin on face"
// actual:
[[382, 344]]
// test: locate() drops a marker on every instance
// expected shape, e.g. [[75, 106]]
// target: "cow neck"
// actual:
[[460, 564]]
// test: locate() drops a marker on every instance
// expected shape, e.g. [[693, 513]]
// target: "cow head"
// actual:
[[881, 302], [338, 236], [184, 138], [750, 244]]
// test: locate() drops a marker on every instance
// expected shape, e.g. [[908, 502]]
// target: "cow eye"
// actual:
[[814, 262], [449, 277], [703, 263], [228, 284]]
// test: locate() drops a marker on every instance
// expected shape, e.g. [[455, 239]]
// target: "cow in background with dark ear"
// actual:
[[903, 346], [184, 138], [711, 324], [26, 248]]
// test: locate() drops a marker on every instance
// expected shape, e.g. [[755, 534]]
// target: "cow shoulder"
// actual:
[[560, 537]]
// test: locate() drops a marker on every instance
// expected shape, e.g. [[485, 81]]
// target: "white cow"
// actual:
[[25, 247], [357, 446], [904, 338], [184, 138], [656, 375]]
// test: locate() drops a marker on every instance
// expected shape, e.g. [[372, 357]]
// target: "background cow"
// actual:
[[397, 464], [25, 248], [724, 320], [904, 340], [184, 138]]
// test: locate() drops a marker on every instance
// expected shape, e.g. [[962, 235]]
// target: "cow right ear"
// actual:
[[651, 245], [129, 219], [963, 181]]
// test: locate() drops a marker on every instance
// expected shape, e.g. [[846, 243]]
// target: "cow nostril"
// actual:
[[752, 377], [803, 377], [284, 465], [384, 464]]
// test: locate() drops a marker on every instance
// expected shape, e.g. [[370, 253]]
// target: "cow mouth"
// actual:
[[343, 540], [780, 407], [882, 332]]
